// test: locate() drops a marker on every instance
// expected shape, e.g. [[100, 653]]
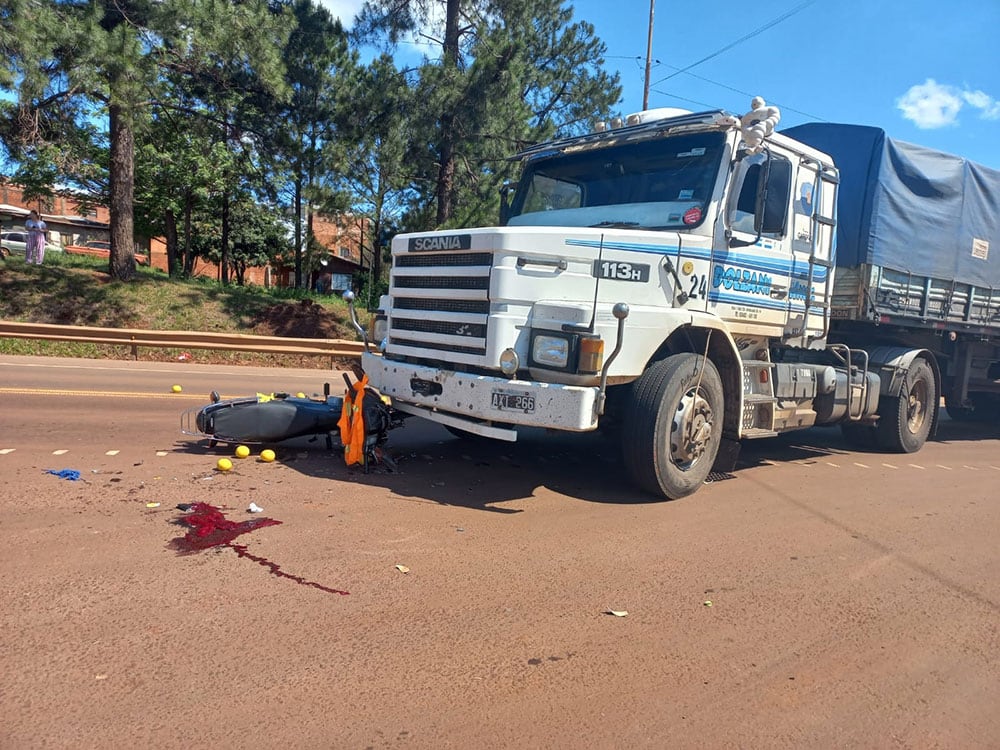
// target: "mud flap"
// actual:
[[725, 459]]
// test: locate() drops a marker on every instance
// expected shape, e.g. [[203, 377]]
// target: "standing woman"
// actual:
[[34, 250]]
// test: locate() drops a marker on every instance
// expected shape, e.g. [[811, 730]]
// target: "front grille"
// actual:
[[450, 260], [480, 307], [444, 327], [477, 350], [444, 305], [437, 282]]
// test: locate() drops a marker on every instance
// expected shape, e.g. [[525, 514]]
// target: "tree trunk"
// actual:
[[188, 255], [308, 271], [446, 171], [225, 239], [298, 233], [170, 230], [121, 261]]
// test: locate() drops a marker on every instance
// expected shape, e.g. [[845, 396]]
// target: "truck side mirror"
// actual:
[[505, 202]]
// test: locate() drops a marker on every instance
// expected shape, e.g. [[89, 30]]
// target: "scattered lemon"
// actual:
[[267, 455], [300, 394], [224, 464], [176, 388], [242, 451]]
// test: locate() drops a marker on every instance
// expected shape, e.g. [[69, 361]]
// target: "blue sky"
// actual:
[[925, 71]]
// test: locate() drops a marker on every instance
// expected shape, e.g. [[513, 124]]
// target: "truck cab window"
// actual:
[[649, 183], [549, 194], [775, 211]]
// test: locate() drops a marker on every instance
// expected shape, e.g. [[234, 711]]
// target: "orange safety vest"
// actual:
[[352, 423]]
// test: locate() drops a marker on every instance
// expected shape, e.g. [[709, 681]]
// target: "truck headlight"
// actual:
[[380, 327], [550, 351]]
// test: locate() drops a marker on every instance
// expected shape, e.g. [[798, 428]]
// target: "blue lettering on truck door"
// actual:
[[737, 280]]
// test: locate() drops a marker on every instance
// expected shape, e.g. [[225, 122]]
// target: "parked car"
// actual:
[[14, 242], [101, 249]]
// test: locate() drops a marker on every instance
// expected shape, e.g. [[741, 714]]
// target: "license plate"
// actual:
[[507, 401]]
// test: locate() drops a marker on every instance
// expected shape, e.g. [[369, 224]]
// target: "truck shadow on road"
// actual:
[[498, 477]]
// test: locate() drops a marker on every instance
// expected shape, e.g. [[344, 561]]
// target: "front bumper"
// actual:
[[477, 402]]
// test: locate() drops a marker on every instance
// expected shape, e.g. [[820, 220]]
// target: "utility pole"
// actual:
[[649, 55]]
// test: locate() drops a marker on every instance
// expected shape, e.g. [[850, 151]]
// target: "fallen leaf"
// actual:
[[707, 602], [617, 612], [152, 505], [402, 569]]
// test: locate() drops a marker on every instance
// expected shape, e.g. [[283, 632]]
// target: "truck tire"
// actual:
[[905, 419], [673, 425]]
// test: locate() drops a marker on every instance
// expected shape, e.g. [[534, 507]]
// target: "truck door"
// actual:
[[814, 198], [751, 272]]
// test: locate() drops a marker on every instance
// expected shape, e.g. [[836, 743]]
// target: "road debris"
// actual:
[[71, 474]]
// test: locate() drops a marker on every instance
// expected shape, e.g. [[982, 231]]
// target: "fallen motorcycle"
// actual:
[[275, 417]]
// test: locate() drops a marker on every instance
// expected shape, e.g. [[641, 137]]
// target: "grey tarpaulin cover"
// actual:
[[911, 208]]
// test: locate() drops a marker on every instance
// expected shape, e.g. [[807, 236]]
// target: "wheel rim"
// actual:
[[691, 430], [916, 408]]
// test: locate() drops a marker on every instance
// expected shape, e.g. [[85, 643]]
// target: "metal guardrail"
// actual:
[[135, 338]]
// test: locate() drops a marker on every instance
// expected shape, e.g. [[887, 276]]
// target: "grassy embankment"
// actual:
[[76, 290]]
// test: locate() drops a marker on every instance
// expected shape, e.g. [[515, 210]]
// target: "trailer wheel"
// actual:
[[905, 419], [673, 425]]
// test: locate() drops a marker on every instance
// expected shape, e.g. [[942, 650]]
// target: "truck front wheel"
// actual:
[[905, 419], [673, 425]]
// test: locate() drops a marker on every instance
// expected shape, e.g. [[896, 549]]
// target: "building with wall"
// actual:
[[72, 221]]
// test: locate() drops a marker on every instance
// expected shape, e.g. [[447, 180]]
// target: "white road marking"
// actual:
[[918, 466], [863, 466], [60, 452], [890, 466], [831, 463], [946, 468], [970, 468]]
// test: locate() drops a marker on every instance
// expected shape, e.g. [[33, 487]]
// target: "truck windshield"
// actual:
[[654, 184]]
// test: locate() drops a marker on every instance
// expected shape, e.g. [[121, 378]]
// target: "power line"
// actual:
[[760, 29], [744, 93], [784, 107]]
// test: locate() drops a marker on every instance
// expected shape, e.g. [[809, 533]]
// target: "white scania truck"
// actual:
[[698, 279]]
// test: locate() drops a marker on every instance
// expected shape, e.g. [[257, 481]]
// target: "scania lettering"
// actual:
[[700, 279]]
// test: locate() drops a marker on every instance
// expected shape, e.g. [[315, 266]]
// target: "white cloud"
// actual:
[[988, 106], [932, 105], [345, 10]]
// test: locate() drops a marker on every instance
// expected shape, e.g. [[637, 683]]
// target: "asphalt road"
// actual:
[[817, 597]]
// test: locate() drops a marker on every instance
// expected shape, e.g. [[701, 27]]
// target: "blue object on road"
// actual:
[[70, 474]]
